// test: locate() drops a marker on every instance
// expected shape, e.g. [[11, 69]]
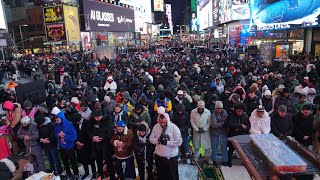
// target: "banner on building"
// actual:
[[53, 14], [71, 19]]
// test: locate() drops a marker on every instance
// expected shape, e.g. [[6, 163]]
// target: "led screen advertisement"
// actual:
[[203, 3], [194, 23], [53, 14], [2, 17], [283, 14], [71, 18], [56, 32], [232, 10], [105, 17], [206, 16], [140, 25]]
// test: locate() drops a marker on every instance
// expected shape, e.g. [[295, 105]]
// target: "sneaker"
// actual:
[[209, 161], [188, 161], [230, 164], [75, 177], [179, 159]]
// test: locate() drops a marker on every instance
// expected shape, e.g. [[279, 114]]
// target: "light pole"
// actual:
[[24, 25]]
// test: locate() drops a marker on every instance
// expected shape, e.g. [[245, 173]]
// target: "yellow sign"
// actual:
[[71, 20], [53, 14]]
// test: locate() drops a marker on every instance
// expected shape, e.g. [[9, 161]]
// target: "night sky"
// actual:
[[177, 7]]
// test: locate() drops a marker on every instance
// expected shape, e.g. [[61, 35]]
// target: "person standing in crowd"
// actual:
[[110, 86], [29, 133], [49, 143], [139, 114], [181, 118], [303, 125], [219, 133], [85, 111], [83, 144], [267, 101], [200, 122], [181, 99], [252, 101], [238, 124], [143, 151], [28, 110], [260, 121], [118, 114], [167, 138], [13, 117], [99, 131], [108, 104], [164, 102], [66, 136], [285, 99], [281, 123], [122, 140]]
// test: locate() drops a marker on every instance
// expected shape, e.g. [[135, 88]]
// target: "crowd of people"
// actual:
[[161, 107]]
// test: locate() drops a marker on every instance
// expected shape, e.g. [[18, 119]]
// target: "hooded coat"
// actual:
[[13, 115], [135, 119], [68, 129], [127, 139], [218, 122], [172, 147], [139, 143], [260, 125]]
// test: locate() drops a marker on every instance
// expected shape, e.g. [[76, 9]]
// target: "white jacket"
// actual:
[[260, 125], [112, 86]]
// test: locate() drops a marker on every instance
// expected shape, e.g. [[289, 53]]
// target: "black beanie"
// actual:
[[142, 127], [40, 120]]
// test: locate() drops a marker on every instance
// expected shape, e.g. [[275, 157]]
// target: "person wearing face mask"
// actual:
[[200, 122], [260, 121], [29, 133], [303, 125], [181, 118], [122, 141], [167, 138], [28, 109]]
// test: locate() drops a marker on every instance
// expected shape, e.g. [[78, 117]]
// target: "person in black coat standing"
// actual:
[[238, 124], [48, 143], [281, 123], [99, 131], [181, 118], [83, 144], [141, 144], [303, 125]]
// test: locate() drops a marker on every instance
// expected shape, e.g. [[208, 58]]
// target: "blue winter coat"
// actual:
[[69, 131]]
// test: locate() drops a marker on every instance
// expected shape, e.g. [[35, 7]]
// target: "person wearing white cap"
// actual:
[[167, 138], [29, 133], [200, 122], [110, 86], [267, 101], [181, 99], [260, 121]]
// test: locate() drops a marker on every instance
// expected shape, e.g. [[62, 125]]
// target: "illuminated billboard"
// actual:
[[85, 40], [285, 14], [169, 15], [71, 19], [53, 14], [158, 5], [3, 23], [203, 3], [104, 17], [232, 10], [194, 23], [206, 16], [140, 25], [56, 32]]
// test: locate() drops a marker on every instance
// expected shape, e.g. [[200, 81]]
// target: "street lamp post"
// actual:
[[24, 25]]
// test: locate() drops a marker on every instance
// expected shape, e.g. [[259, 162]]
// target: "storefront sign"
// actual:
[[53, 14], [72, 23], [109, 18], [56, 32]]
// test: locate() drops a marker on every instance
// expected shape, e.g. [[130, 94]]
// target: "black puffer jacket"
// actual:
[[281, 125], [181, 120], [235, 122]]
